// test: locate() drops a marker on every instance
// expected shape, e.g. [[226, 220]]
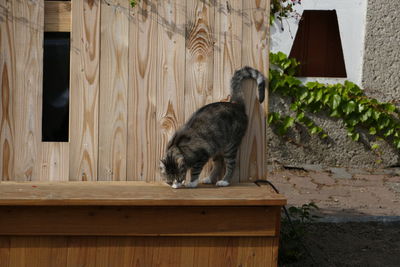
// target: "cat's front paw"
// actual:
[[222, 183], [192, 184], [176, 185], [207, 180]]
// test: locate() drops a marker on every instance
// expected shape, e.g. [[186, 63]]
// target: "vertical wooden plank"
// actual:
[[54, 161], [7, 68], [227, 51], [4, 251], [18, 248], [255, 51], [81, 251], [113, 90], [38, 251], [166, 252], [84, 93], [141, 251], [255, 252], [112, 251], [143, 72], [199, 55], [171, 76], [199, 58], [28, 22], [228, 45], [275, 251]]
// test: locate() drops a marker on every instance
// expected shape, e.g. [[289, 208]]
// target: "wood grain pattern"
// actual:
[[252, 252], [54, 161], [7, 71], [171, 76], [84, 93], [112, 252], [27, 87], [140, 221], [199, 55], [38, 252], [199, 59], [142, 251], [143, 72], [255, 51], [4, 251], [113, 90], [133, 194], [82, 251], [227, 52], [57, 16]]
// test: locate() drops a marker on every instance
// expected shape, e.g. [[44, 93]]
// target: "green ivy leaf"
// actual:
[[376, 114], [335, 101], [310, 99], [334, 114], [314, 130], [361, 107], [390, 107], [326, 99], [273, 117], [288, 122], [396, 142], [375, 146], [319, 95], [349, 107], [311, 85], [365, 116], [303, 93], [281, 56], [372, 130], [355, 136], [389, 132], [300, 116]]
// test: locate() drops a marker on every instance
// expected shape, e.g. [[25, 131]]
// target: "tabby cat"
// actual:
[[214, 131]]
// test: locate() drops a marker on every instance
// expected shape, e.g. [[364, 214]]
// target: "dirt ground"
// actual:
[[352, 244], [360, 224]]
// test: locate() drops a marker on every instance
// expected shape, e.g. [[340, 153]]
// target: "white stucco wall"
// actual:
[[351, 18]]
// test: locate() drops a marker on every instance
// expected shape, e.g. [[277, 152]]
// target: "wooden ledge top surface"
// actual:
[[133, 194]]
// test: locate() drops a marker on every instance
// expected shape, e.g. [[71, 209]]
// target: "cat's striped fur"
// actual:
[[214, 131]]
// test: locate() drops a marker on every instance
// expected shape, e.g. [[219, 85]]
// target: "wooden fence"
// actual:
[[136, 75]]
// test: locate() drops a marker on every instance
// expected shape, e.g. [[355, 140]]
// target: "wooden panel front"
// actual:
[[140, 221], [138, 251]]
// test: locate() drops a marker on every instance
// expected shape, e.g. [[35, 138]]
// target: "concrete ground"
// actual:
[[342, 195]]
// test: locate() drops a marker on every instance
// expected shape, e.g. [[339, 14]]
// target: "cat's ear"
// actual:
[[180, 161], [162, 167]]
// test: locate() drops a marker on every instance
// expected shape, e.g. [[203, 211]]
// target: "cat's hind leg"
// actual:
[[230, 160], [218, 166]]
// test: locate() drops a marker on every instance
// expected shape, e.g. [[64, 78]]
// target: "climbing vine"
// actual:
[[345, 101], [282, 9]]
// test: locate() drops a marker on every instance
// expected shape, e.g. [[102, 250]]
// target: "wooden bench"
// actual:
[[137, 224]]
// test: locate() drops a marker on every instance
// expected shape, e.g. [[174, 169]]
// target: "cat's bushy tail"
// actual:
[[237, 95]]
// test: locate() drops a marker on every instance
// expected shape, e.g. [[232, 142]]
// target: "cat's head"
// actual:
[[173, 170]]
